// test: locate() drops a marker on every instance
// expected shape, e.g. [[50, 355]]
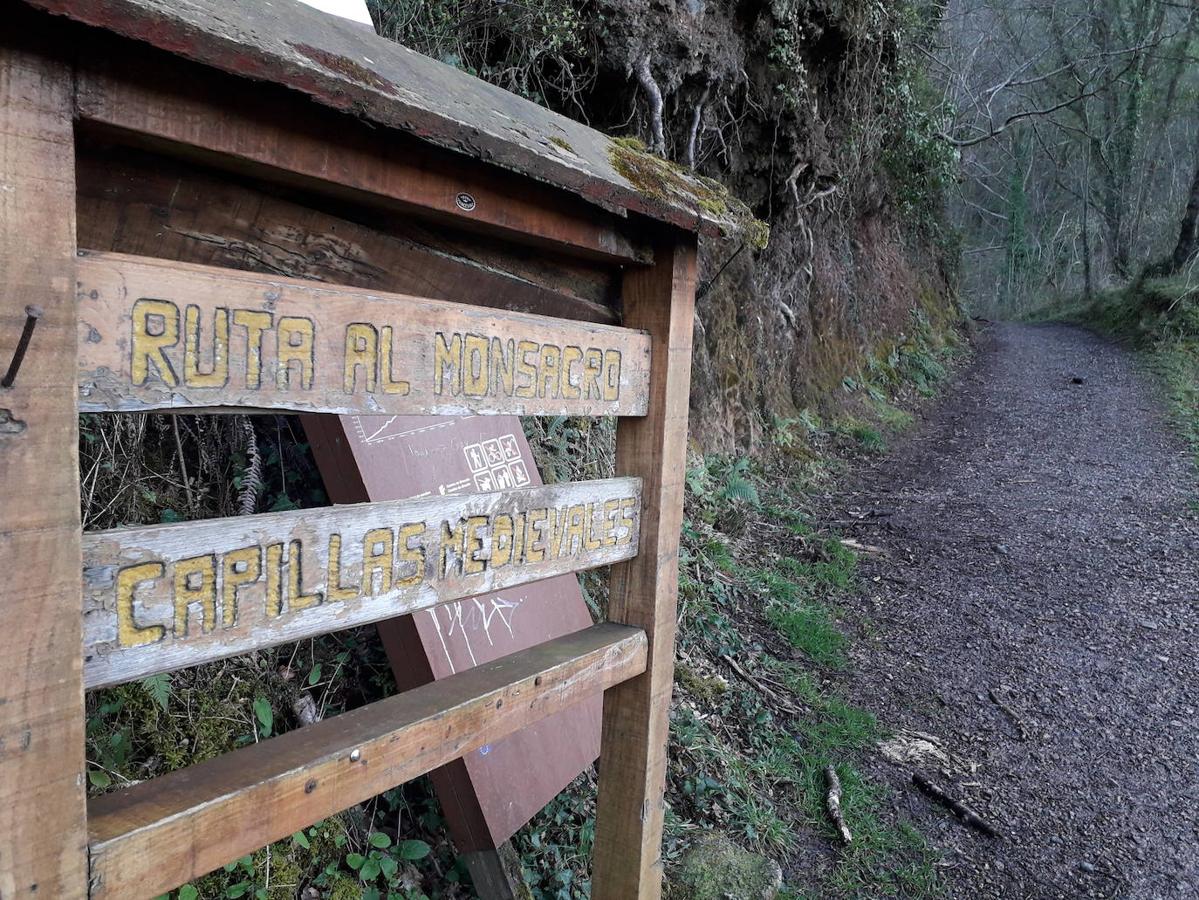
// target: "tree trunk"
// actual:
[[1188, 235], [1088, 277]]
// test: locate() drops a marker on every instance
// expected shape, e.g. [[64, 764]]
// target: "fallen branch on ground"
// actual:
[[833, 802], [762, 689], [1010, 712], [860, 547], [958, 808]]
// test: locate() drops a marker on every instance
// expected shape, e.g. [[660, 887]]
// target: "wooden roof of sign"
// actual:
[[343, 65]]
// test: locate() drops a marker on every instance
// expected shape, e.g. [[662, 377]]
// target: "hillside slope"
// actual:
[[812, 111]]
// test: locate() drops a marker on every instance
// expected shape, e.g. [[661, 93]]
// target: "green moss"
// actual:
[[664, 180], [706, 689], [630, 143], [132, 735], [346, 889], [714, 868]]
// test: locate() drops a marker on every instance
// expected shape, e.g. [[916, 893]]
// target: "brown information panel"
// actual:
[[492, 791], [167, 596], [169, 335]]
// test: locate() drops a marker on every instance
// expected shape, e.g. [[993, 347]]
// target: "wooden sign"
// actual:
[[489, 793], [168, 596], [167, 335]]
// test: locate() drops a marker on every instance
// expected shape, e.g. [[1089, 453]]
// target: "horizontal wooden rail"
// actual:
[[169, 335], [284, 138], [156, 835], [168, 596]]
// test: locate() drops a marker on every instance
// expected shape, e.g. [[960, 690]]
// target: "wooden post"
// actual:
[[497, 874], [43, 840], [628, 844]]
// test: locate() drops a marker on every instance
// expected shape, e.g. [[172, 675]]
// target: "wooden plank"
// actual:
[[628, 841], [166, 335], [156, 835], [274, 134], [152, 205], [42, 806], [168, 596]]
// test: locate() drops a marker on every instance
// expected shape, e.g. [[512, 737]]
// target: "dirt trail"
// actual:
[[1042, 545]]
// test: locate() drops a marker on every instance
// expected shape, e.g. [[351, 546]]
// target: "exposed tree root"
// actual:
[[697, 116], [654, 94]]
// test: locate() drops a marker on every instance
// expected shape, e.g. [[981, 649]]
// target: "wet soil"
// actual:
[[1036, 609]]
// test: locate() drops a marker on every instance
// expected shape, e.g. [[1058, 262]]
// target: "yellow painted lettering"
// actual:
[[593, 365], [526, 372], [410, 554], [574, 532], [378, 558], [628, 514], [548, 381], [337, 590], [129, 633], [474, 556], [475, 366], [447, 363], [503, 367], [238, 568], [534, 548], [570, 388], [296, 598], [501, 541], [255, 323], [274, 580], [451, 544], [518, 538], [611, 512], [195, 584], [590, 540], [362, 352], [218, 375], [557, 519], [296, 344], [611, 374], [387, 376], [155, 325]]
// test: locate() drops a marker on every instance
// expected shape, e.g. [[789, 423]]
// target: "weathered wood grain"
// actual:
[[275, 134], [156, 835], [167, 596], [147, 204], [167, 335], [628, 839], [42, 833]]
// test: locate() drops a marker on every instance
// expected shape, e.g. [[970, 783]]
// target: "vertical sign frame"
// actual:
[[42, 799]]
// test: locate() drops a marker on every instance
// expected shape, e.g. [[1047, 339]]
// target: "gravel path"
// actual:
[[1037, 610]]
